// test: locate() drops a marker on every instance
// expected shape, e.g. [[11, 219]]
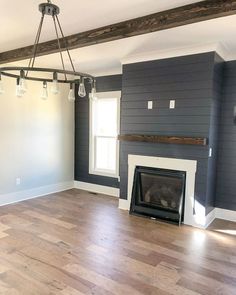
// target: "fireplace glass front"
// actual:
[[158, 193]]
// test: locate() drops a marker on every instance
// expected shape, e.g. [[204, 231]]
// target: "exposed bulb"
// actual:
[[55, 85], [71, 96], [82, 90], [19, 92], [1, 86], [22, 82], [44, 94], [23, 85], [93, 94]]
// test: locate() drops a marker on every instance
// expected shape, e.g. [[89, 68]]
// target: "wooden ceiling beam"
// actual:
[[184, 15]]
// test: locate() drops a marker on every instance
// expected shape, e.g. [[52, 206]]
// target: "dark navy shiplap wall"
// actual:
[[188, 80], [214, 132], [226, 176], [204, 88], [109, 83]]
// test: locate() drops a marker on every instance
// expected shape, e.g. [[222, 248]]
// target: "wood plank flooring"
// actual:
[[223, 226], [74, 243]]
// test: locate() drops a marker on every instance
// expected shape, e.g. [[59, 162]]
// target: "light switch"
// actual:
[[172, 104], [150, 104]]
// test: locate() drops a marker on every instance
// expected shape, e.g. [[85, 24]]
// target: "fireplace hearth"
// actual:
[[158, 193]]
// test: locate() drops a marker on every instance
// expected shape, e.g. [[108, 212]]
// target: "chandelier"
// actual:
[[49, 75]]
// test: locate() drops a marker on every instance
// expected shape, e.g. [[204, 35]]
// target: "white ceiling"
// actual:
[[106, 58], [20, 18]]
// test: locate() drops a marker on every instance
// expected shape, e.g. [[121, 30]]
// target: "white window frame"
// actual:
[[92, 143]]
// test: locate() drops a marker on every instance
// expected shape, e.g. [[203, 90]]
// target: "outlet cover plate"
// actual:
[[18, 181], [150, 105], [172, 104]]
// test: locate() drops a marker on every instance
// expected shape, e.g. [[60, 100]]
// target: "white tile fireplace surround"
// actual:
[[198, 219]]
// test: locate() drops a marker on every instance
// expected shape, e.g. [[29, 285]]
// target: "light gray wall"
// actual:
[[37, 138]]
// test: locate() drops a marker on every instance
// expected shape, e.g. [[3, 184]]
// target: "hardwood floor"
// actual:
[[79, 243], [223, 226]]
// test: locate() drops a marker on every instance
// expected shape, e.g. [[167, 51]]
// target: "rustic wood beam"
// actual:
[[164, 139], [184, 15]]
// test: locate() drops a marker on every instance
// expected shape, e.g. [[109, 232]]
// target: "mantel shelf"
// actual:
[[202, 141]]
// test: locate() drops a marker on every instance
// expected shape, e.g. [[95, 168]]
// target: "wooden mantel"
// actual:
[[164, 139]]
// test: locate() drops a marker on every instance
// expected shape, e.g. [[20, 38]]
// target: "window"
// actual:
[[104, 129]]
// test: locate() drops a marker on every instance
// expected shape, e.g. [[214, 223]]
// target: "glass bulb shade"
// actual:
[[23, 85], [1, 87], [82, 90], [19, 92], [44, 94], [71, 96], [93, 94], [55, 87]]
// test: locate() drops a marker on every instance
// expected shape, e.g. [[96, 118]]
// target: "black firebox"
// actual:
[[158, 193]]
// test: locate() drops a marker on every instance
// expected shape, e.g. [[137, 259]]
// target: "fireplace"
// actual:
[[194, 214], [158, 193]]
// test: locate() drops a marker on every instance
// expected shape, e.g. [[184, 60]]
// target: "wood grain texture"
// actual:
[[75, 243], [164, 139], [200, 11]]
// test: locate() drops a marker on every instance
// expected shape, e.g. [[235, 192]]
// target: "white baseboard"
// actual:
[[210, 218], [6, 199], [10, 198], [123, 204], [15, 197], [225, 214], [220, 214], [95, 188]]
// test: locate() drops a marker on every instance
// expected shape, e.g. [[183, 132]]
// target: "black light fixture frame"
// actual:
[[6, 71], [52, 10]]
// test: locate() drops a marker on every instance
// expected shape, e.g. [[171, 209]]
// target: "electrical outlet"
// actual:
[[18, 181], [150, 105], [172, 104]]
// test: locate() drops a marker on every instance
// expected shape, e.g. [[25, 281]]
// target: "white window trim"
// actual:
[[103, 95]]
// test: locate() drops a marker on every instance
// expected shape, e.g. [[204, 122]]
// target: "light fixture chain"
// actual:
[[63, 45], [65, 42], [32, 59], [59, 45], [36, 47]]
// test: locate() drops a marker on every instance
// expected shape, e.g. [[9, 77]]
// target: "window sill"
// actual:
[[104, 174]]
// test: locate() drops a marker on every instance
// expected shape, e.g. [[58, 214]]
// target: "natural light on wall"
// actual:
[[104, 129]]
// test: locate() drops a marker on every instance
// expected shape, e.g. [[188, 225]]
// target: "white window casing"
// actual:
[[104, 128]]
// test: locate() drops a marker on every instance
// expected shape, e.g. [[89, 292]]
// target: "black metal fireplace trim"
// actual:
[[153, 211]]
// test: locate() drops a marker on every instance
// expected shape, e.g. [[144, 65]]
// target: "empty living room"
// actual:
[[118, 147]]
